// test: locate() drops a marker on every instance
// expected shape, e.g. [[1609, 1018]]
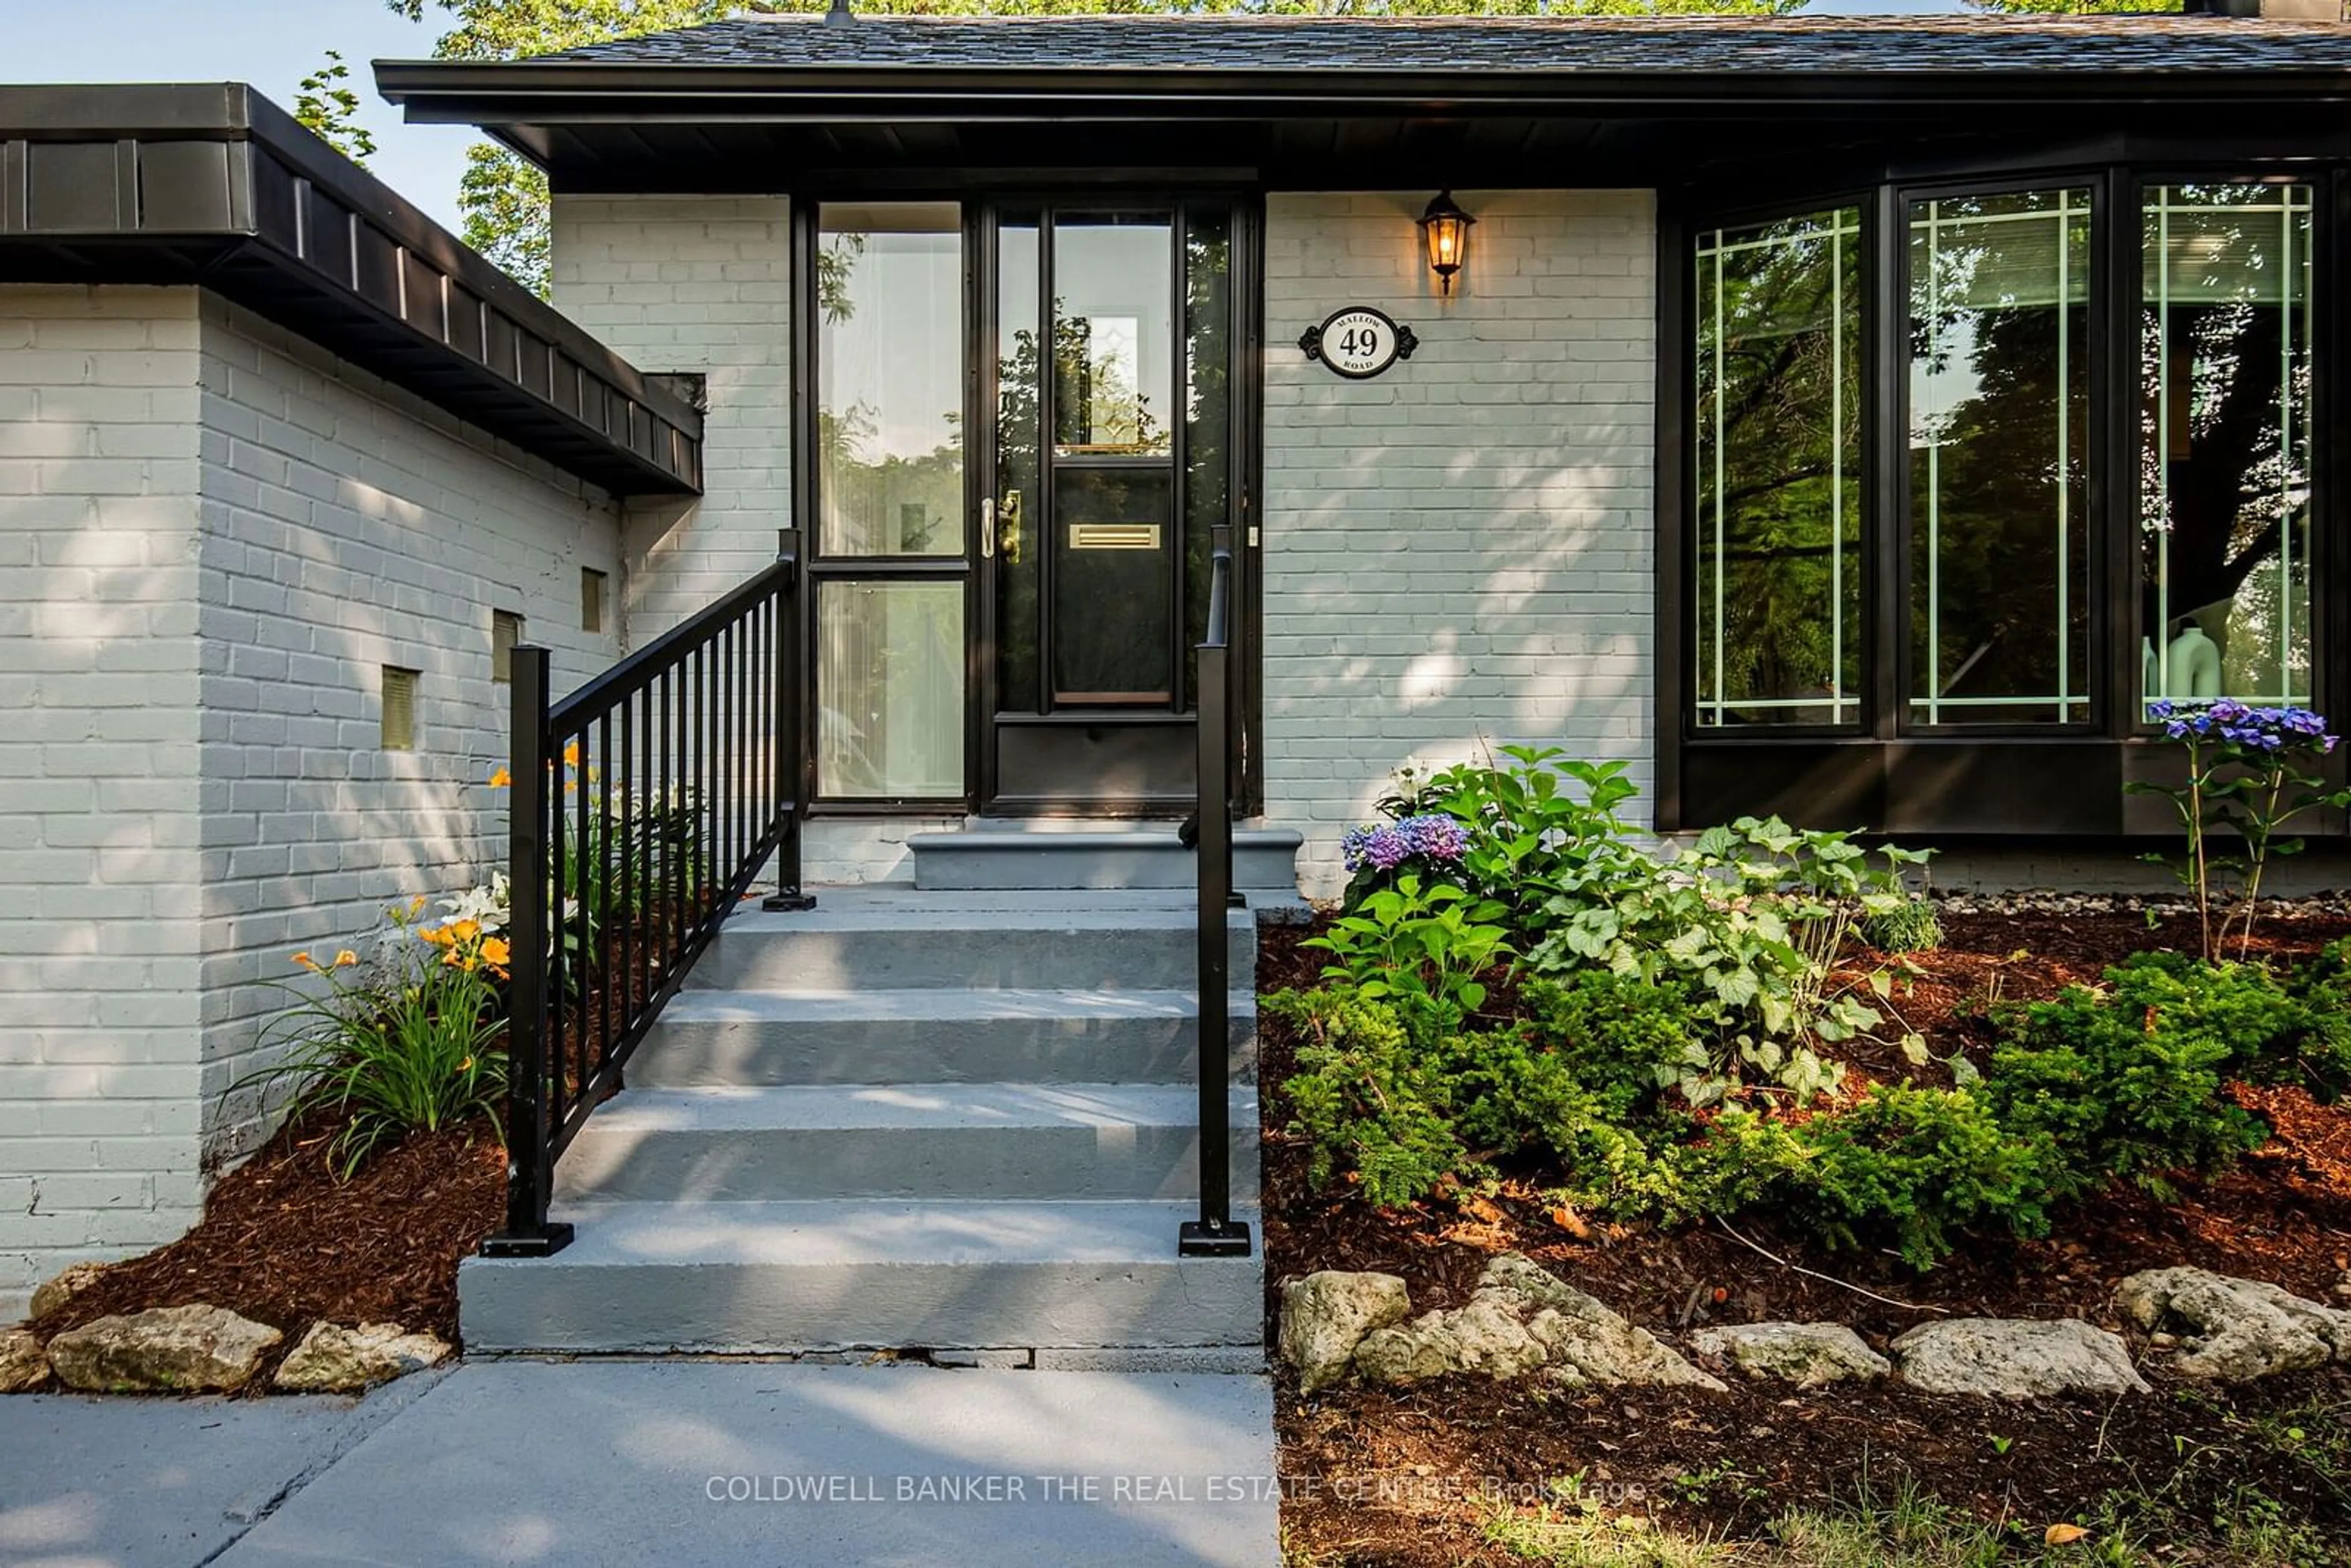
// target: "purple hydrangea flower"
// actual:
[[2262, 729], [1429, 836]]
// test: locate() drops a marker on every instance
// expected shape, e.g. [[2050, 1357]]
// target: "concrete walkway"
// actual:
[[669, 1462]]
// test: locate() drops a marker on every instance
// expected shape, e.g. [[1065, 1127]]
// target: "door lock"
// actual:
[[1011, 513]]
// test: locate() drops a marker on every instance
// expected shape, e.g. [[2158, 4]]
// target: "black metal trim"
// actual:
[[218, 187]]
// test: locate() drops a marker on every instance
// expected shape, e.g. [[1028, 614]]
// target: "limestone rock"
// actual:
[[2016, 1358], [1806, 1355], [166, 1350], [1521, 1318], [1325, 1317], [24, 1365], [331, 1359], [2232, 1330], [64, 1287]]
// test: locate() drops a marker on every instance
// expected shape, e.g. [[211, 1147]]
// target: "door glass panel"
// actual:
[[1113, 352], [890, 379], [1019, 501], [1112, 569], [2225, 435], [889, 689], [2000, 405], [1114, 625]]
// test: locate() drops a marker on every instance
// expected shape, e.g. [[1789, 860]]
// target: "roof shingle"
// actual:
[[1564, 46]]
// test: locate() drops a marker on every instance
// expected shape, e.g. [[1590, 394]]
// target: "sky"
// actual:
[[274, 43]]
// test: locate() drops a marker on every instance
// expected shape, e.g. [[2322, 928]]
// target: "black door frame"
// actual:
[[981, 205]]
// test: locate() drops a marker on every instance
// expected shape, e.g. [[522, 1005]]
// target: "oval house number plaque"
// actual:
[[1358, 342]]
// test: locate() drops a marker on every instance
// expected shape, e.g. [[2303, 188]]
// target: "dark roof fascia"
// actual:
[[214, 185], [475, 92]]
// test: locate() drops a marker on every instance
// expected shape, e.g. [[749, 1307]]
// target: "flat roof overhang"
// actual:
[[216, 186], [649, 126]]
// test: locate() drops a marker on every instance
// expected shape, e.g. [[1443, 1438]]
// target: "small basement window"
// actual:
[[399, 708], [505, 633], [592, 599]]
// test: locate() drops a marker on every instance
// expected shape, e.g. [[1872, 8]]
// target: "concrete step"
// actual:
[[784, 1276], [938, 1141], [881, 938], [935, 1035], [1137, 855]]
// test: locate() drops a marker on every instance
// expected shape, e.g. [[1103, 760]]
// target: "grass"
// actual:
[[1905, 1528]]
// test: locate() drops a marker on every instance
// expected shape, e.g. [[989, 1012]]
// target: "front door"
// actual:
[[1107, 373], [1023, 430]]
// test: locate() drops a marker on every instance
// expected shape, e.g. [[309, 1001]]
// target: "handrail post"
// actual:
[[1216, 1234], [791, 895], [530, 1173]]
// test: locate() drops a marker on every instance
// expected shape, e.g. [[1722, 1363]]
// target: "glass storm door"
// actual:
[[1109, 460], [890, 570]]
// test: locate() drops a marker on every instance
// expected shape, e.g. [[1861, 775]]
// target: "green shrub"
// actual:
[[1403, 1107], [1368, 1101], [1420, 947], [1529, 830], [1916, 1164], [2126, 1082], [2322, 1057], [1911, 926]]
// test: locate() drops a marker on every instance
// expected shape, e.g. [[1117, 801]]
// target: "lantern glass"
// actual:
[[1447, 229]]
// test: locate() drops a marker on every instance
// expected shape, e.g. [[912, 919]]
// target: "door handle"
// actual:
[[988, 528], [1012, 526]]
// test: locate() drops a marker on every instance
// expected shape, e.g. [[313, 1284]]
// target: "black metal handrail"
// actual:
[[646, 804], [1216, 1234]]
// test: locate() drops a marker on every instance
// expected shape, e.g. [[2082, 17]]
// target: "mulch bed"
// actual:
[[284, 1243], [2283, 1216]]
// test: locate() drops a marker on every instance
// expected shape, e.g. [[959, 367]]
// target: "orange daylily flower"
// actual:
[[346, 958], [495, 951], [307, 961], [571, 754], [500, 779], [416, 906], [465, 930]]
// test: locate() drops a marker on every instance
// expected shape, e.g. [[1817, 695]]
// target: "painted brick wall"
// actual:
[[693, 284], [1456, 553], [99, 934], [213, 535], [347, 526]]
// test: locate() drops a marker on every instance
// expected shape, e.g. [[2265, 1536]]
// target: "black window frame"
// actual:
[[1961, 781]]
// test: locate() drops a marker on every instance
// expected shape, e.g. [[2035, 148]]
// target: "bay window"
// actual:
[[1970, 474]]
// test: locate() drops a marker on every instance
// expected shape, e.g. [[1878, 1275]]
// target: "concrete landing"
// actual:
[[732, 1462]]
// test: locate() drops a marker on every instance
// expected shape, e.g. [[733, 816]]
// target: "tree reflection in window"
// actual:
[[889, 280], [1779, 455], [1999, 385], [2225, 440]]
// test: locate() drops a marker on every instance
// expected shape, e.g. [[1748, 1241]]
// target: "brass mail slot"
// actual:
[[1113, 536]]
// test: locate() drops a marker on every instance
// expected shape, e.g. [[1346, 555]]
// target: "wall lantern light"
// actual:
[[1447, 229]]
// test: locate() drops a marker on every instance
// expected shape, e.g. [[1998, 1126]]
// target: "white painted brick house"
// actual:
[[1858, 421]]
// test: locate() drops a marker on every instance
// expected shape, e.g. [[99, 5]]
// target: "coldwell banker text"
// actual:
[[821, 1489]]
